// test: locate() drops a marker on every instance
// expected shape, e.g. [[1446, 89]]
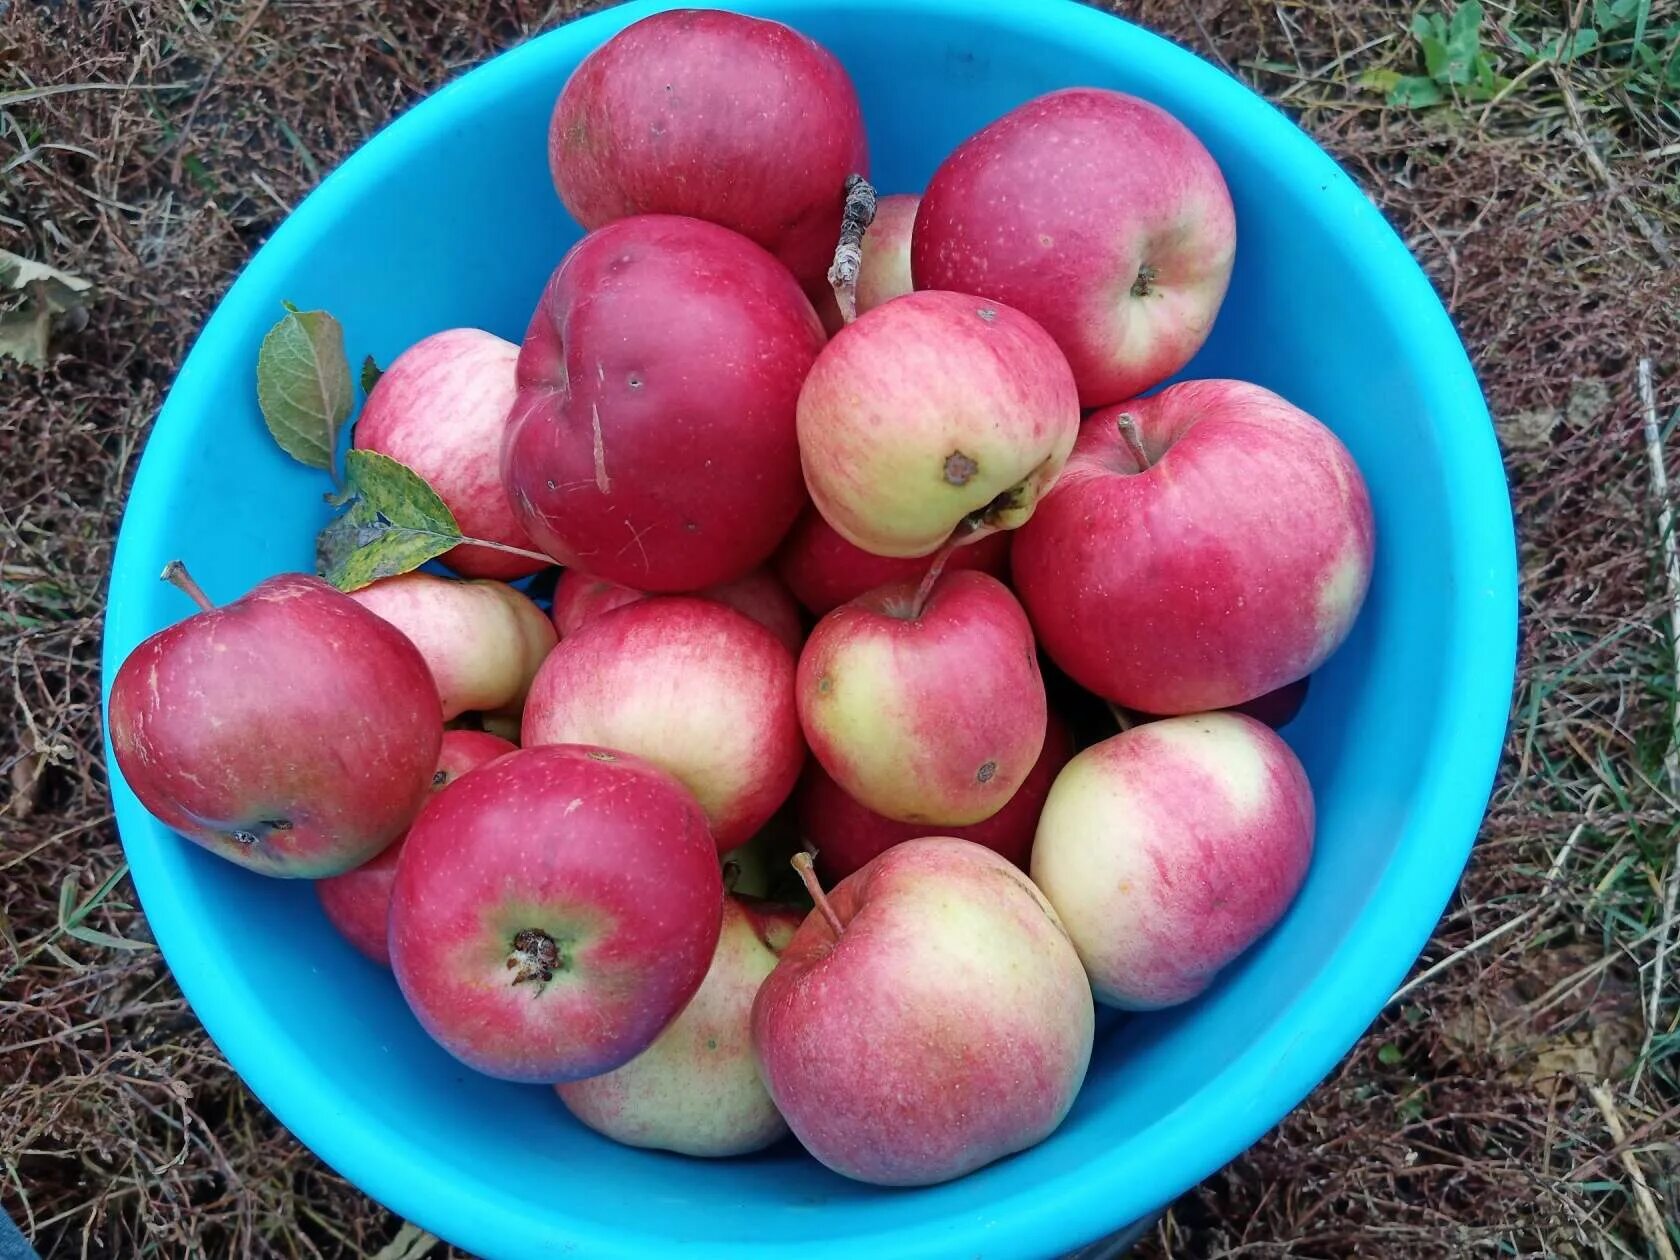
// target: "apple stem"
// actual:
[[848, 253], [1127, 425], [925, 591], [509, 548], [175, 573], [808, 875]]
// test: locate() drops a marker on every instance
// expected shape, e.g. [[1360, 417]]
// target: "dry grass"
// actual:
[[1464, 1124]]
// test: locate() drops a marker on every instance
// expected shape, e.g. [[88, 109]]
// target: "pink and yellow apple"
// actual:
[[692, 686], [579, 598], [884, 269], [1169, 849], [553, 911], [1223, 558], [929, 713], [696, 1089], [1099, 215], [928, 1018], [936, 415]]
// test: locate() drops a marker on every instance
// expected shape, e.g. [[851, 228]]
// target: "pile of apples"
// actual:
[[752, 399]]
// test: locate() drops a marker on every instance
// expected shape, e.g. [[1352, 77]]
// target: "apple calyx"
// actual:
[[1144, 285], [1127, 425], [808, 876], [175, 573], [848, 252], [258, 831], [960, 468], [534, 956]]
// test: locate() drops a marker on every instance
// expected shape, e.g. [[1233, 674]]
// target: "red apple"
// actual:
[[553, 911], [579, 598], [358, 902], [1169, 849], [696, 1090], [723, 117], [441, 408], [1230, 560], [291, 731], [932, 416], [823, 570], [930, 713], [884, 271], [848, 836], [1277, 708], [482, 640], [929, 1018], [1099, 215], [692, 686], [653, 442]]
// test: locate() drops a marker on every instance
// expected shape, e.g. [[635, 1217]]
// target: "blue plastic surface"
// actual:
[[447, 218]]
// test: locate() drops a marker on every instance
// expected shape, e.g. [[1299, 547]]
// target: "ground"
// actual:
[[1519, 1097]]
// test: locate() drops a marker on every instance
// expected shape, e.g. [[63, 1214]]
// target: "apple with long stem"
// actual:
[[1170, 848], [925, 701], [553, 911], [935, 416], [358, 902], [929, 1016], [291, 731], [696, 1090], [1205, 546]]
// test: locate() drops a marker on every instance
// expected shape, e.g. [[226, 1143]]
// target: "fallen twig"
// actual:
[[1578, 133], [1650, 1220]]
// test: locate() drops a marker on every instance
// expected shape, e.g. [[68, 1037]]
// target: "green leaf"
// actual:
[[394, 523], [303, 385], [1378, 80], [1415, 92], [1642, 15], [1389, 1055], [1586, 39], [93, 936], [1464, 43], [371, 372]]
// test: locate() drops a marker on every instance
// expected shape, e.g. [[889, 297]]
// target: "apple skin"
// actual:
[[291, 731], [1099, 215], [636, 131], [823, 570], [696, 1089], [358, 902], [932, 412], [481, 640], [884, 272], [1277, 708], [653, 442], [441, 408], [848, 836], [605, 856], [939, 716], [1236, 563], [1170, 848], [579, 598], [692, 686], [949, 1025]]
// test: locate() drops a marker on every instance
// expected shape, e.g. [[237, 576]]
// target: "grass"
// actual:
[[1509, 1103]]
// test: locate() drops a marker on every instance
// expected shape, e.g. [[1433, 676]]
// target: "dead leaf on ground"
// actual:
[[37, 301]]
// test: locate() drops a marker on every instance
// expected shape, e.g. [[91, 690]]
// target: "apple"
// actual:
[[1225, 556], [928, 1018], [847, 835], [441, 408], [924, 713], [935, 416], [291, 731], [358, 902], [482, 640], [653, 442], [823, 570], [696, 1089], [579, 598], [736, 120], [553, 911], [1169, 849], [692, 686], [884, 271], [1277, 708], [1099, 215]]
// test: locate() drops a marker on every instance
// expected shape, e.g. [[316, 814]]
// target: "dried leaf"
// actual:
[[303, 385], [393, 523], [38, 298]]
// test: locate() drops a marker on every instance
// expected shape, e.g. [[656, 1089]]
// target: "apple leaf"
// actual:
[[371, 372], [393, 522], [303, 385]]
